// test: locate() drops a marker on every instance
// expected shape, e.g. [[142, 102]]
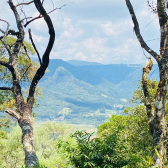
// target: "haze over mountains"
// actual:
[[87, 93]]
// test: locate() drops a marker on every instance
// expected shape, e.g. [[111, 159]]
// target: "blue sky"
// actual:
[[92, 30]]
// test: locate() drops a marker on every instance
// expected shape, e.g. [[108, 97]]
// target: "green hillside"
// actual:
[[85, 94]]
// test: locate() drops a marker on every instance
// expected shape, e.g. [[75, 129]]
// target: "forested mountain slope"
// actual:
[[87, 93]]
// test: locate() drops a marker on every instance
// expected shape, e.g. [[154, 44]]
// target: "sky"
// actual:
[[91, 30]]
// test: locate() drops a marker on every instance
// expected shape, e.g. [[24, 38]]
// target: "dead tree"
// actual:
[[24, 108], [157, 121]]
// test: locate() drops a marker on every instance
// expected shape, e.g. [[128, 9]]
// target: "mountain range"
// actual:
[[81, 92]]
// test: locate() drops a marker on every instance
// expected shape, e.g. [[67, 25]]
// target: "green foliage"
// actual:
[[134, 127], [47, 136], [4, 122], [3, 135], [26, 70], [11, 150], [101, 152]]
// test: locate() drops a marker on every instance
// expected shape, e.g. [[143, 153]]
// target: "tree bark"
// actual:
[[26, 124], [159, 123], [24, 114], [148, 103]]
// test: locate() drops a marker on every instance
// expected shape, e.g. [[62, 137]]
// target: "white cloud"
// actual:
[[80, 56], [114, 29], [100, 31]]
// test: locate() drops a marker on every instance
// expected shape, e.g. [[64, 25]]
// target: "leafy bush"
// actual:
[[101, 152]]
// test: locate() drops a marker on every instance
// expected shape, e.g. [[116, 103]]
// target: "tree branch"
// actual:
[[6, 88], [137, 31], [146, 69], [2, 31], [5, 64], [45, 59], [19, 26], [6, 46], [30, 62], [10, 67], [40, 16], [5, 33], [13, 114], [162, 15], [14, 56], [34, 46], [24, 3], [5, 37]]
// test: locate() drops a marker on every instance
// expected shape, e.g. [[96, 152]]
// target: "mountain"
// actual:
[[87, 94], [80, 63], [78, 72]]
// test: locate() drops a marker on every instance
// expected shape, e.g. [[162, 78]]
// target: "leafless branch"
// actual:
[[5, 22], [13, 114], [6, 33], [26, 18], [40, 16], [24, 3], [6, 46], [30, 62], [57, 8], [2, 31], [162, 15], [34, 46], [45, 59], [145, 54], [20, 28], [137, 31], [5, 88], [5, 36]]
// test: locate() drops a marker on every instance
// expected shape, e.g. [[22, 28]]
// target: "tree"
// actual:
[[157, 122], [24, 107]]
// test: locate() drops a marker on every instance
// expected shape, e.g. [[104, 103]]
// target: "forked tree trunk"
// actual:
[[157, 125], [156, 120], [24, 114]]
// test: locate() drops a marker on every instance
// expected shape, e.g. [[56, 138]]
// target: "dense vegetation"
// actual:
[[122, 141], [70, 95]]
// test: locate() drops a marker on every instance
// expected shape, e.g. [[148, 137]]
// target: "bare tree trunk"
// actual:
[[26, 124], [160, 127]]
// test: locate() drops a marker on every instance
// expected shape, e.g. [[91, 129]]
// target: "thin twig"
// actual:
[[145, 54], [34, 46], [2, 31], [40, 16], [30, 62], [24, 3], [152, 39], [6, 32]]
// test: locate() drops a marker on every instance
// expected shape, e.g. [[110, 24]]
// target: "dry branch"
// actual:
[[40, 16], [24, 3], [34, 46], [13, 114]]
